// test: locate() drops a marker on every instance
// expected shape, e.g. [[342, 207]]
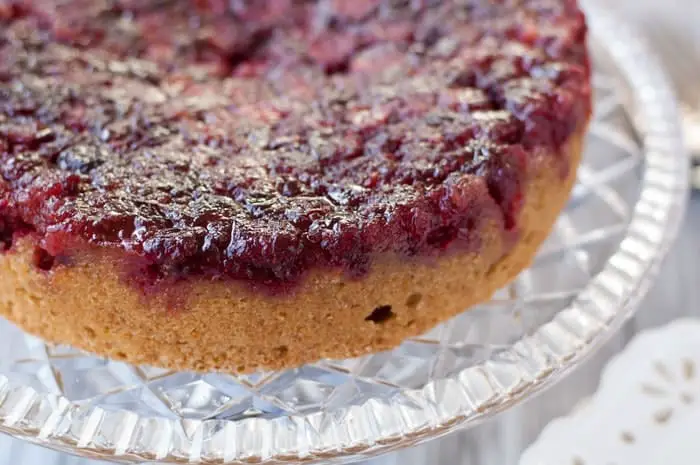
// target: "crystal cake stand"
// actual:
[[586, 280]]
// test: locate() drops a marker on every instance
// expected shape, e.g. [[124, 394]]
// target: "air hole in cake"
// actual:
[[43, 260], [380, 314], [280, 351], [413, 300]]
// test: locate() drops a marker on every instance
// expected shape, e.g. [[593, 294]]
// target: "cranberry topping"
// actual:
[[258, 139]]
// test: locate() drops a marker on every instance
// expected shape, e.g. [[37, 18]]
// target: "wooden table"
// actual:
[[500, 441]]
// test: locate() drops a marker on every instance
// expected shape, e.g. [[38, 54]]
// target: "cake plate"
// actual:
[[586, 281]]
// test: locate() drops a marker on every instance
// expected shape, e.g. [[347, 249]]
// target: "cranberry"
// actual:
[[258, 139]]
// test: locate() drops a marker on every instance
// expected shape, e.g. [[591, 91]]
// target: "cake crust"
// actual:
[[227, 326]]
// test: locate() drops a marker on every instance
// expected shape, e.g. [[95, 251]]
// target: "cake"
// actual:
[[235, 185]]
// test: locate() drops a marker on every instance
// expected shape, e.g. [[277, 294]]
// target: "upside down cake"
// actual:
[[230, 185]]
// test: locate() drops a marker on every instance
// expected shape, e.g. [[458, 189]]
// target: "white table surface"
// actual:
[[500, 441]]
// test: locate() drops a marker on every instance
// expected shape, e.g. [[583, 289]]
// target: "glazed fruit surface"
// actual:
[[259, 139]]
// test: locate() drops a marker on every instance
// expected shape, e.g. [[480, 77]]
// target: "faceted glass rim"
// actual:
[[373, 427]]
